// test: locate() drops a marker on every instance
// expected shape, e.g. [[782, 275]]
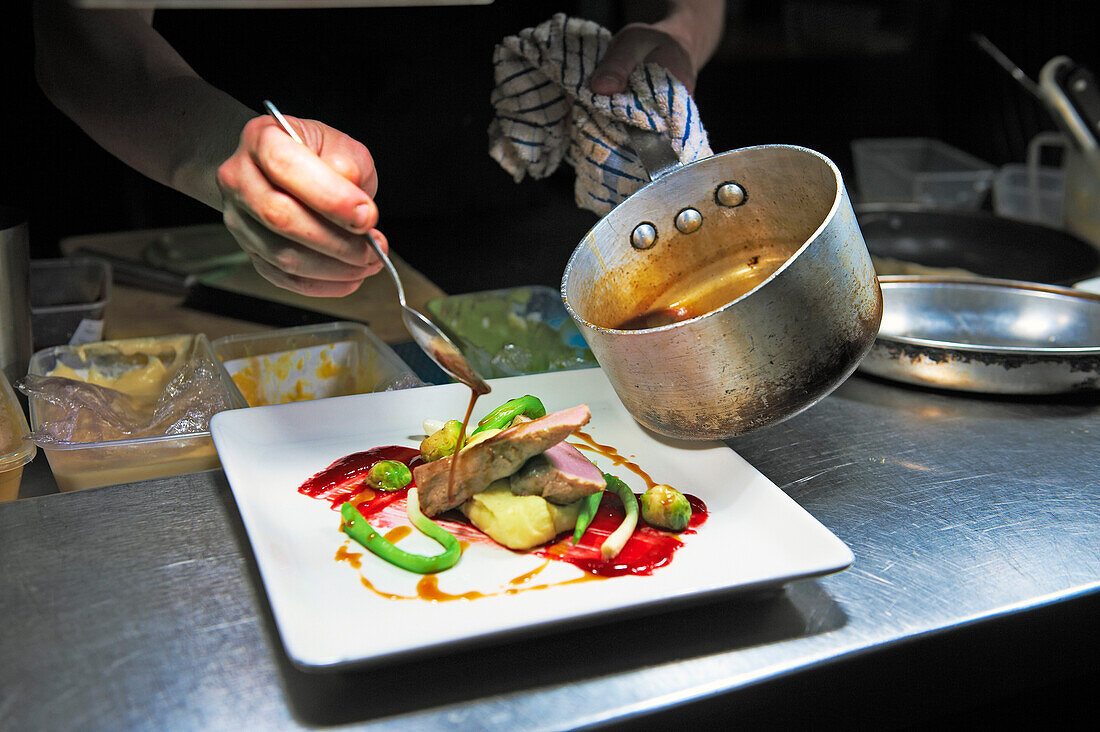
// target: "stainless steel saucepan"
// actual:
[[727, 294]]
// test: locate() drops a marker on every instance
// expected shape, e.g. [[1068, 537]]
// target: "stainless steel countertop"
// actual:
[[974, 522]]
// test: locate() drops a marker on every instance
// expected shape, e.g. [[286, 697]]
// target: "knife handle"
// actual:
[[139, 274]]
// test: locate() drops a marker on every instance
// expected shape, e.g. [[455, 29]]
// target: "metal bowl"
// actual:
[[987, 335]]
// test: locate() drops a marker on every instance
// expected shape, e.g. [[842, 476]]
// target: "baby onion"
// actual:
[[614, 544]]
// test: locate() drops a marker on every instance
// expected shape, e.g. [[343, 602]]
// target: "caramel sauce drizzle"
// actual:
[[397, 533], [528, 575], [613, 455], [365, 496], [474, 394], [352, 558], [428, 586]]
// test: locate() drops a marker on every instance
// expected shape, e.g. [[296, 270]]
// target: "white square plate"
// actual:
[[755, 537]]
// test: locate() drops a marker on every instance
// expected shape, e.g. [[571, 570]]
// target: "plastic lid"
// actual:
[[16, 448]]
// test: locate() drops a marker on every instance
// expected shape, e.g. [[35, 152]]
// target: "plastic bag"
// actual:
[[85, 412]]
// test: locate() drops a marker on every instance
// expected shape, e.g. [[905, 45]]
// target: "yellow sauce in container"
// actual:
[[16, 449], [140, 368], [311, 362]]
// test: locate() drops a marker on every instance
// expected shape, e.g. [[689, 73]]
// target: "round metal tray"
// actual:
[[987, 335]]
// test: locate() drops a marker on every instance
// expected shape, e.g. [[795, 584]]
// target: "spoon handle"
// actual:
[[282, 121], [389, 268], [274, 112]]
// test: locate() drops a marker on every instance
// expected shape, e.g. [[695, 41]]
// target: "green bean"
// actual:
[[614, 544], [356, 527], [588, 512], [503, 415]]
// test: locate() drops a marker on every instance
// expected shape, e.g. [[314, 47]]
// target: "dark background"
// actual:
[[413, 84]]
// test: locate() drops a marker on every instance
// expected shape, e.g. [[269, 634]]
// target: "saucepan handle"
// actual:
[[654, 150]]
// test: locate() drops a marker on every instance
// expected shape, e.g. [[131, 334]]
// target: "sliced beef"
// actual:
[[497, 457], [560, 475]]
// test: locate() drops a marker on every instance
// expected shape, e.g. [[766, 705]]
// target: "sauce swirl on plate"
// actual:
[[647, 549]]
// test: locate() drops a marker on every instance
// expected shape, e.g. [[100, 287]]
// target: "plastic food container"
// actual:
[[68, 297], [1030, 194], [312, 362], [87, 464], [521, 330], [920, 170], [16, 448]]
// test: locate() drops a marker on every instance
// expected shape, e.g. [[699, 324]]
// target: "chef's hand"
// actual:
[[682, 43], [302, 212], [640, 43]]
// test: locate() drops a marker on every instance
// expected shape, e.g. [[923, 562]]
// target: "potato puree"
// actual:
[[140, 368], [15, 450], [518, 522], [145, 382], [11, 468], [76, 470], [140, 371], [9, 484]]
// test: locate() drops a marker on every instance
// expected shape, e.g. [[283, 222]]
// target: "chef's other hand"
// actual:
[[302, 212], [635, 44], [681, 42]]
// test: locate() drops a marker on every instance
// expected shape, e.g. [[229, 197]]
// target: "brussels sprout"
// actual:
[[665, 507], [442, 442], [389, 475]]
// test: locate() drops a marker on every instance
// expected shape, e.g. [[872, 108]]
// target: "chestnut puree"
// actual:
[[708, 287]]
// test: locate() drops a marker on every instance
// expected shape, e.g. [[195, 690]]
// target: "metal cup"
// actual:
[[15, 311], [777, 216]]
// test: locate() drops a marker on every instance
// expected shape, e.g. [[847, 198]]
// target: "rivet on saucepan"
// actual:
[[644, 236], [688, 220], [730, 195]]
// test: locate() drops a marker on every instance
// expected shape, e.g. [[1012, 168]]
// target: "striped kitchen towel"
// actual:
[[545, 112]]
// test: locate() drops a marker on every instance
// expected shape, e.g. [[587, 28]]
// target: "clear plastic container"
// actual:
[[312, 362], [920, 170], [16, 448], [520, 330], [1035, 194], [68, 299], [78, 465]]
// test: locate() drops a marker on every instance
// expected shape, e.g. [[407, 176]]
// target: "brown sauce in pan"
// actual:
[[708, 288]]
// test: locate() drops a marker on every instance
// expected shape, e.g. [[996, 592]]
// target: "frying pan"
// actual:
[[979, 242], [986, 335]]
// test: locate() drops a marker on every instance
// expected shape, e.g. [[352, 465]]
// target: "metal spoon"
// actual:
[[430, 338]]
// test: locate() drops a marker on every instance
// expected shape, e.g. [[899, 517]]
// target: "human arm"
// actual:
[[683, 41], [301, 214]]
